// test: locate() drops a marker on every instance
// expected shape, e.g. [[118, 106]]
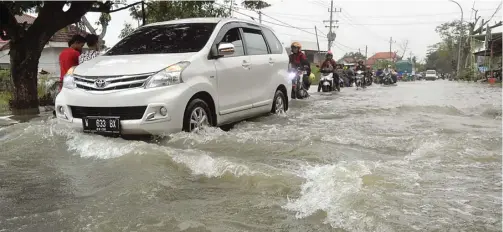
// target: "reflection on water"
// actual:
[[422, 156]]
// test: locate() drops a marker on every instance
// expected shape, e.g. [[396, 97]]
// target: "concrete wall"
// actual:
[[49, 61]]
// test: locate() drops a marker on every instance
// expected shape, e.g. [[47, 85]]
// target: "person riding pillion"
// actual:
[[299, 60], [390, 71], [329, 63]]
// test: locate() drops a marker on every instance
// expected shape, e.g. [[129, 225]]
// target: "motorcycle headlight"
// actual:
[[291, 75], [171, 75], [68, 80]]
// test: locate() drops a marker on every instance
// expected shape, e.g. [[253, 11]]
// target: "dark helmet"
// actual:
[[360, 62], [329, 54]]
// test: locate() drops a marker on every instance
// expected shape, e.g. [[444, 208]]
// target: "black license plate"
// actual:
[[102, 125]]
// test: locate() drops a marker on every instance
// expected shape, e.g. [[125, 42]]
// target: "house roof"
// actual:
[[63, 35], [381, 56]]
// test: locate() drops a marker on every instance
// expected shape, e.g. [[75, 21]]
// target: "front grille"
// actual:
[[111, 82], [125, 113]]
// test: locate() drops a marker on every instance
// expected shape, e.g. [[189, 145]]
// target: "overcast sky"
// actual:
[[361, 23]]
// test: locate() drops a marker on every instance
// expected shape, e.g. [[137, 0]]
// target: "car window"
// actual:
[[234, 37], [431, 72], [168, 38], [255, 43], [272, 40]]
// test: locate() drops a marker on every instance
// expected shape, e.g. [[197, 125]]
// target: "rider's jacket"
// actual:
[[328, 64], [300, 60], [388, 70], [360, 67]]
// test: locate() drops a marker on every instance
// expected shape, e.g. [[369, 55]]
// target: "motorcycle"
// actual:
[[386, 79], [299, 91], [327, 80], [359, 79], [343, 80], [368, 80]]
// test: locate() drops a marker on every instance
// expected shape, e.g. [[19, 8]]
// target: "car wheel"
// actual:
[[197, 116], [279, 103]]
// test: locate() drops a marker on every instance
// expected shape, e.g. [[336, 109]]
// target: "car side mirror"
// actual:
[[225, 49]]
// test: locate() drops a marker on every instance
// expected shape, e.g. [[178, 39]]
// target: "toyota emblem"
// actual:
[[100, 83]]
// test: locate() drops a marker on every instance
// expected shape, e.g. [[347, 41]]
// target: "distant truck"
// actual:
[[404, 66]]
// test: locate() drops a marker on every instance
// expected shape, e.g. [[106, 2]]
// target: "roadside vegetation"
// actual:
[[43, 88]]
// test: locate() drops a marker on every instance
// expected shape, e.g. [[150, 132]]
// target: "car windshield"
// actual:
[[170, 38], [431, 72]]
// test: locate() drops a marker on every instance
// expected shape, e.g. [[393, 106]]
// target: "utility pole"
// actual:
[[143, 12], [317, 41], [331, 34], [391, 54], [366, 48], [460, 37], [230, 7]]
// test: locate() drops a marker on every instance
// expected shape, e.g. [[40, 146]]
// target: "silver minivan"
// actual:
[[178, 75]]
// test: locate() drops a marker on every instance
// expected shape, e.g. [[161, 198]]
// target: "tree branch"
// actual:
[[52, 18], [125, 7], [500, 23], [497, 9], [8, 23], [107, 7]]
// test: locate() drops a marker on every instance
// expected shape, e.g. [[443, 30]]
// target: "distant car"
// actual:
[[431, 75]]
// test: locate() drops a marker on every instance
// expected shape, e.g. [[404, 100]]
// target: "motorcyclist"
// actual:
[[339, 69], [361, 67], [390, 71], [369, 74], [299, 60], [349, 74], [379, 74], [329, 63]]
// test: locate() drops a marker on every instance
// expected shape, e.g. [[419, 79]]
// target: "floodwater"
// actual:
[[421, 156]]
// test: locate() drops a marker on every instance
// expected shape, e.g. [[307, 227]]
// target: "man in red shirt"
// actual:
[[69, 57]]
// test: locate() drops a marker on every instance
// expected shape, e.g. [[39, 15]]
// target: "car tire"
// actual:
[[195, 112], [279, 102]]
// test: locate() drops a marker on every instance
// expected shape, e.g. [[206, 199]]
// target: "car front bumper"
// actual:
[[139, 109]]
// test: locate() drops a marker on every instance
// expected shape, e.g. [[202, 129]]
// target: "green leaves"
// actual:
[[128, 29], [157, 11], [255, 5]]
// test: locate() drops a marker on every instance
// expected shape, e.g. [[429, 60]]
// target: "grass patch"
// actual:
[[4, 102]]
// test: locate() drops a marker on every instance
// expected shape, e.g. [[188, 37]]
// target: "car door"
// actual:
[[233, 72], [262, 62], [278, 62]]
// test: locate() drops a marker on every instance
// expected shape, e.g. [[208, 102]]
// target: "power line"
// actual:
[[285, 24], [345, 14], [289, 25]]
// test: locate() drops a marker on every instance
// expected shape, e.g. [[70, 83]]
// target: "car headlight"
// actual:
[[171, 75], [68, 80]]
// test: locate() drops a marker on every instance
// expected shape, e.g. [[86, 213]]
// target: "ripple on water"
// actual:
[[421, 156]]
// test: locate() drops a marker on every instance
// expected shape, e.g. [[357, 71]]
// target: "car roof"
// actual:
[[208, 20]]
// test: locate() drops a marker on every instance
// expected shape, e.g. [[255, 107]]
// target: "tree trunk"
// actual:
[[24, 59]]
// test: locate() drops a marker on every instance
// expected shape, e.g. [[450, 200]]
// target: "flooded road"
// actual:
[[421, 156]]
